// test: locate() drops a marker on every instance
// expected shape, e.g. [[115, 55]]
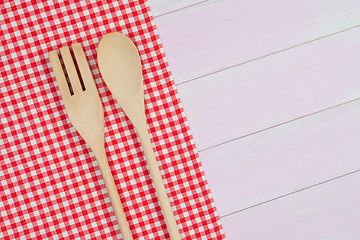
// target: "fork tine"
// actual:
[[83, 66], [59, 74], [71, 69]]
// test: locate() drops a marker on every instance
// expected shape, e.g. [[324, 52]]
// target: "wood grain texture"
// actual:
[[273, 90], [284, 159], [160, 7], [328, 211], [218, 34], [251, 75]]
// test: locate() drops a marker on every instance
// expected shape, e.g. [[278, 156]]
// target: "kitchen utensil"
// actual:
[[85, 111], [120, 67]]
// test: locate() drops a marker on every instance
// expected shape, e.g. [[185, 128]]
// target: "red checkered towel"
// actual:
[[50, 183]]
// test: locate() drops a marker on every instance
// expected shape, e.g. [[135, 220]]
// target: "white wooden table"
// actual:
[[271, 90]]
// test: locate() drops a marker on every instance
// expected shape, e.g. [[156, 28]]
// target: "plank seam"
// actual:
[[277, 125], [291, 193], [267, 55], [180, 9]]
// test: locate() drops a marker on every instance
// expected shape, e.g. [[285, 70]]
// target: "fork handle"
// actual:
[[158, 182], [114, 195]]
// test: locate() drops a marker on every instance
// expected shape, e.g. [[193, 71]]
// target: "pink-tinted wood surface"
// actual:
[[284, 159], [329, 211], [218, 34], [160, 7], [273, 90], [253, 76]]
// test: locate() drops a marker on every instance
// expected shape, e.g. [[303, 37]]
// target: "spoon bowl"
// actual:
[[120, 66]]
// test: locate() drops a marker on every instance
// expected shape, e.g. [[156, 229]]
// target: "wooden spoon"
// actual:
[[120, 67]]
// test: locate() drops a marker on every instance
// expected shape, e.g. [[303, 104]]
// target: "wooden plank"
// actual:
[[284, 159], [328, 211], [217, 34], [273, 90], [160, 7]]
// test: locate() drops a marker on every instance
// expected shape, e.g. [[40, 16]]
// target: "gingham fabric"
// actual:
[[50, 183]]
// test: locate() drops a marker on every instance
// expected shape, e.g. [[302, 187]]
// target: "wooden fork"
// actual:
[[83, 106]]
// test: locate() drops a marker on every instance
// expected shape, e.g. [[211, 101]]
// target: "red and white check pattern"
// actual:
[[50, 184]]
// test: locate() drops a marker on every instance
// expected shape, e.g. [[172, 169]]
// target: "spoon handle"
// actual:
[[158, 183]]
